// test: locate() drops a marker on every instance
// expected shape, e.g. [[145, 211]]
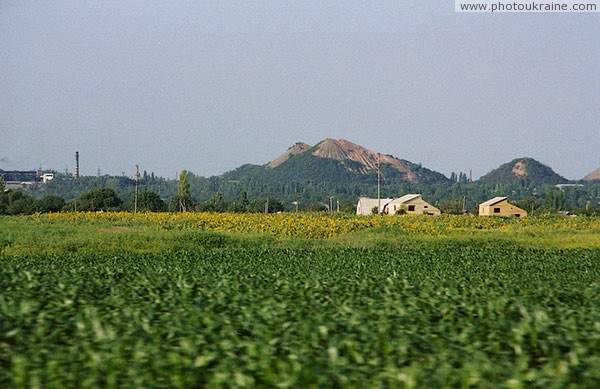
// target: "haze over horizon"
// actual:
[[208, 87]]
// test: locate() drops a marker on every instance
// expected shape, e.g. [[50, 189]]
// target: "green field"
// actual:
[[456, 303]]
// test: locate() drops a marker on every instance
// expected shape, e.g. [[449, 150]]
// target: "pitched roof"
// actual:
[[494, 201], [368, 203], [406, 198]]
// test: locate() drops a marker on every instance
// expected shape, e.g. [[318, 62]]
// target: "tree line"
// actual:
[[254, 193], [16, 202]]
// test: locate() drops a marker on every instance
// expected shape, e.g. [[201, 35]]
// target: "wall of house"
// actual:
[[365, 205], [504, 208], [363, 209], [419, 207]]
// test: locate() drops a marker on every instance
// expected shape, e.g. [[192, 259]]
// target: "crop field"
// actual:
[[209, 300]]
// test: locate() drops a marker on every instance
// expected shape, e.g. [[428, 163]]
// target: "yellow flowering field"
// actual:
[[152, 232], [322, 226]]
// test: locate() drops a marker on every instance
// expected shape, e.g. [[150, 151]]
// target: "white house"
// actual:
[[366, 205], [411, 204]]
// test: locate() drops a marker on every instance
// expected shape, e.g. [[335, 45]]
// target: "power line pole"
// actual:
[[378, 183], [137, 184]]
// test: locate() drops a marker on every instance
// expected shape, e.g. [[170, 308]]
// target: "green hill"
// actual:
[[341, 161], [526, 171]]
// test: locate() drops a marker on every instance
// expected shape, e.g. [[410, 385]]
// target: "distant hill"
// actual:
[[525, 170], [595, 175], [339, 170], [296, 149], [343, 161]]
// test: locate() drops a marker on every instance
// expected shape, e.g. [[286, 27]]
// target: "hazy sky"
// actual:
[[210, 85]]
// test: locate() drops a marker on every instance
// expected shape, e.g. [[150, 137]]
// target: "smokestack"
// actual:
[[76, 174]]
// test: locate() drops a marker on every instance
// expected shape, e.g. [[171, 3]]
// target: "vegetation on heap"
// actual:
[[525, 172]]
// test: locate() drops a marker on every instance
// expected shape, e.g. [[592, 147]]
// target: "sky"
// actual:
[[208, 86]]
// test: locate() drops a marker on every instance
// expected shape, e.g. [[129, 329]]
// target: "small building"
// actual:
[[47, 177], [17, 185], [563, 186], [412, 204], [499, 206], [366, 205]]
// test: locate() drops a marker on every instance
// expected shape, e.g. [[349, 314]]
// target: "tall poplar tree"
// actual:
[[184, 193]]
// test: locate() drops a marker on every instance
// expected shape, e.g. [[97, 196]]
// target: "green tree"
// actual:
[[104, 199], [216, 203], [50, 203], [558, 201], [530, 205], [3, 201], [184, 193], [2, 185], [549, 201], [151, 202], [244, 202], [272, 204], [318, 207], [453, 207], [349, 208], [19, 204]]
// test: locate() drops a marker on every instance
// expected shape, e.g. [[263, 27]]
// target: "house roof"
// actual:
[[368, 203], [406, 198], [493, 201]]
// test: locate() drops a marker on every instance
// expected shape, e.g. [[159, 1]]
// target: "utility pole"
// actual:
[[378, 183], [267, 206], [137, 184]]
